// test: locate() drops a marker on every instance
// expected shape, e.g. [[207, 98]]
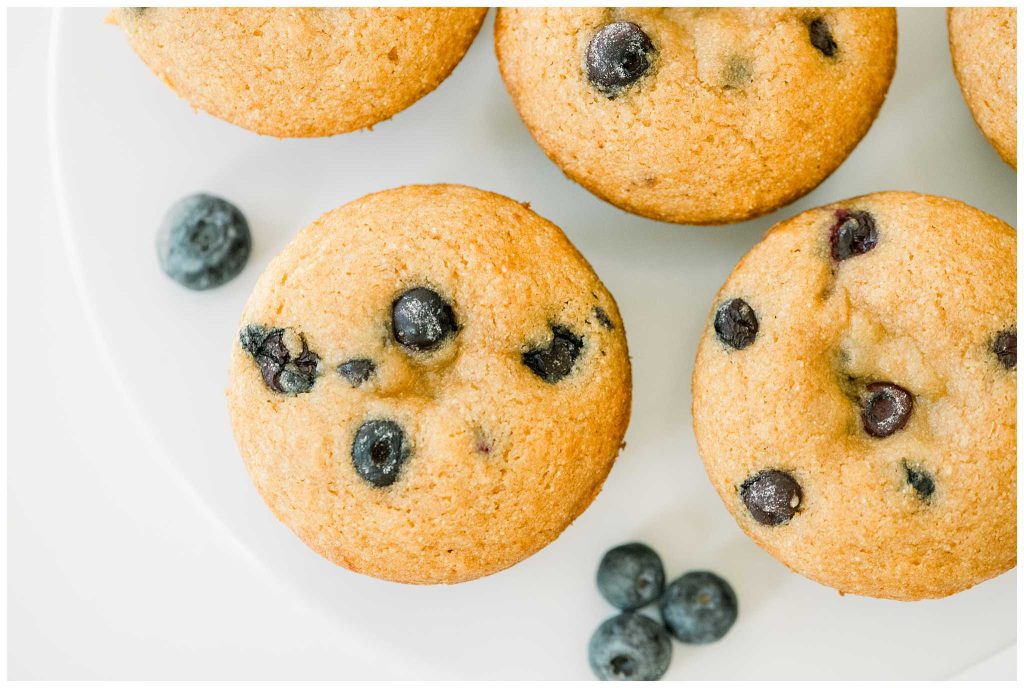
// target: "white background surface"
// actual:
[[120, 562]]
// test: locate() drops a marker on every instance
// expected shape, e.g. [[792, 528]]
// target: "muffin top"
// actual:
[[301, 71], [696, 115], [430, 383], [854, 396], [983, 42]]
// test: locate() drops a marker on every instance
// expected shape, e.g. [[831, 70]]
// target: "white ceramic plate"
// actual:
[[126, 148]]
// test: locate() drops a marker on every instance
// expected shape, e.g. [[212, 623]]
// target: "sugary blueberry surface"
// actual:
[[556, 360], [772, 496], [631, 576], [736, 324], [285, 361], [357, 371], [821, 37], [1004, 346], [920, 480], [852, 234], [630, 647], [886, 408], [699, 607], [421, 319], [204, 241], [618, 55], [379, 450]]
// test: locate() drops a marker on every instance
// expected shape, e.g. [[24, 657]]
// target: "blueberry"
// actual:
[[556, 360], [378, 451], [357, 371], [204, 241], [772, 496], [631, 576], [602, 317], [630, 647], [853, 233], [1004, 346], [885, 408], [618, 55], [285, 361], [821, 37], [736, 324], [421, 319], [920, 480], [699, 607]]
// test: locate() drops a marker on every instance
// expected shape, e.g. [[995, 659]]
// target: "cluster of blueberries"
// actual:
[[697, 608]]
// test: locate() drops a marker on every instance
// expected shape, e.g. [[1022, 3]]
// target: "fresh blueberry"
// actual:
[[772, 496], [1004, 346], [285, 361], [736, 324], [618, 55], [204, 241], [886, 408], [379, 450], [421, 319], [630, 647], [631, 576], [699, 607], [920, 480], [853, 233], [821, 37], [556, 360], [357, 371]]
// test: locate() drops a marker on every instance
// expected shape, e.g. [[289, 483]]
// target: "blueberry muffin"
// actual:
[[983, 42], [429, 384], [697, 115], [301, 71], [854, 395]]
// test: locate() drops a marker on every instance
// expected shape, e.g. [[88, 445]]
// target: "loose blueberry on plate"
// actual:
[[204, 241], [699, 607], [630, 647], [631, 576]]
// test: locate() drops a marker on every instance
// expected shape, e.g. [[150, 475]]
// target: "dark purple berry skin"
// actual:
[[886, 408], [854, 233], [736, 324], [920, 480], [618, 55], [283, 371], [553, 362], [821, 37], [1004, 346], [379, 451], [772, 497], [357, 371], [421, 319]]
